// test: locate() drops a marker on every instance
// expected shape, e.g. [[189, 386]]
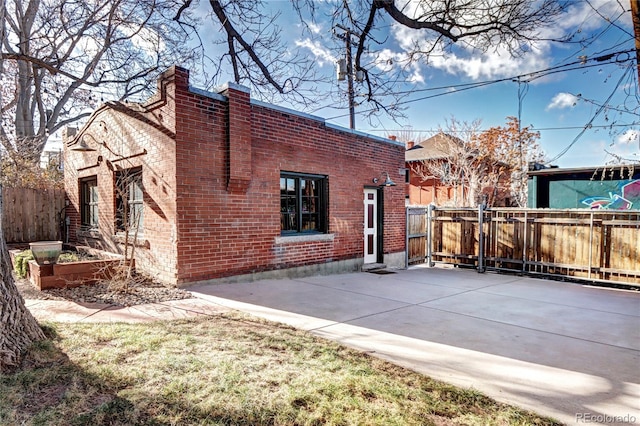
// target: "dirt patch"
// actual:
[[136, 294]]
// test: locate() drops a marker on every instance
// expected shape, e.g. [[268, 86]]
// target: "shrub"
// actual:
[[68, 256], [22, 263]]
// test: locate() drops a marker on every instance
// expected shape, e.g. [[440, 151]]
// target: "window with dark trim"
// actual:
[[303, 203], [129, 200], [89, 202]]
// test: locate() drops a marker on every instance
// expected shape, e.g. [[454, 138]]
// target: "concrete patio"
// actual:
[[565, 350]]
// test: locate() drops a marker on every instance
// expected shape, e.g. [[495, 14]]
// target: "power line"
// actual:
[[532, 76], [588, 125], [541, 129]]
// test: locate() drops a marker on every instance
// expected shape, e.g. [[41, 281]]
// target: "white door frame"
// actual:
[[370, 225]]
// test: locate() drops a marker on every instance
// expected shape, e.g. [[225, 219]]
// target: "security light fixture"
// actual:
[[82, 146], [387, 181]]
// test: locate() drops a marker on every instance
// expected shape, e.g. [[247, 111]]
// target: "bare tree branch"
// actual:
[[65, 49], [234, 35]]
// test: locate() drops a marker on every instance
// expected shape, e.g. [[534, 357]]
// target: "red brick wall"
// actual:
[[212, 190], [432, 191], [424, 192], [126, 131], [225, 232]]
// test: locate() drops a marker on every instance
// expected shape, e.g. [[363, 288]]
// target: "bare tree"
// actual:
[[255, 53], [505, 153], [487, 166], [61, 56], [407, 134], [57, 58], [454, 163], [18, 328], [258, 58]]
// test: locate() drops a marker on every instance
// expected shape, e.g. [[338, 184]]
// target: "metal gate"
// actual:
[[578, 244]]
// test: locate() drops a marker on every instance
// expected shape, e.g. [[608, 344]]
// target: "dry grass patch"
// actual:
[[227, 370]]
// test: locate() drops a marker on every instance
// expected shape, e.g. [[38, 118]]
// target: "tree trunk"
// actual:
[[18, 328]]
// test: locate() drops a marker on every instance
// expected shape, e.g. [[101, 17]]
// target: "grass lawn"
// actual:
[[227, 370]]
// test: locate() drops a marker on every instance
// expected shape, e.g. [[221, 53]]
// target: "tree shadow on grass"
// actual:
[[48, 388]]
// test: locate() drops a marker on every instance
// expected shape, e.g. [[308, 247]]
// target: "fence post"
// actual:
[[430, 210], [525, 242], [406, 233], [590, 244], [481, 268]]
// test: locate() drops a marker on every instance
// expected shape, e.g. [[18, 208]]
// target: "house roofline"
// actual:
[[285, 110], [591, 169], [130, 110], [217, 96], [207, 94], [363, 134]]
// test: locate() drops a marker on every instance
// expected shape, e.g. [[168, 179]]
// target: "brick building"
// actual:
[[218, 185], [423, 188], [451, 187]]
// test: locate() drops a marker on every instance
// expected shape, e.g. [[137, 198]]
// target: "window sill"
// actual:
[[303, 238], [89, 233], [140, 241]]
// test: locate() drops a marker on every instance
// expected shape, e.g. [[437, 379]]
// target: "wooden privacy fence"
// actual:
[[594, 245], [32, 214]]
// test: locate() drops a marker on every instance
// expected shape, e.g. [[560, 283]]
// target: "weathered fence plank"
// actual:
[[416, 235], [32, 214]]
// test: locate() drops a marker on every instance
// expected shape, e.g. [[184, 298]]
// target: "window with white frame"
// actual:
[[89, 202], [129, 200]]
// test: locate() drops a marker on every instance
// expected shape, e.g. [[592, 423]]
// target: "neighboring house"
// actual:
[[219, 185], [445, 172], [424, 187], [52, 152], [606, 187]]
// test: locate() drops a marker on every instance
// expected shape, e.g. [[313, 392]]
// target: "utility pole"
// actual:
[[635, 16], [346, 36]]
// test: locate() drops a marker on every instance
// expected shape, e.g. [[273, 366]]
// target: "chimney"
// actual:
[[239, 100], [176, 74], [410, 144], [393, 137], [68, 133]]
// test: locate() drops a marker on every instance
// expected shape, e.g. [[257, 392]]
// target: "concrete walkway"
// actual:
[[67, 311], [564, 350]]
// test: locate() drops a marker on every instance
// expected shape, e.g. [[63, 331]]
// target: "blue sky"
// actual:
[[581, 110], [559, 105]]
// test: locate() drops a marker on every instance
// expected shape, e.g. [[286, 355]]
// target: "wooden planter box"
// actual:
[[72, 274]]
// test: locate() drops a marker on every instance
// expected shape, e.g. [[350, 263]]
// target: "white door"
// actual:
[[370, 225]]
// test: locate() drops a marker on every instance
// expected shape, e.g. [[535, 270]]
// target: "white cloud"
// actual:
[[321, 53], [490, 65], [589, 15], [416, 76], [622, 149], [498, 62], [314, 28], [386, 60], [626, 150], [630, 136], [562, 100]]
